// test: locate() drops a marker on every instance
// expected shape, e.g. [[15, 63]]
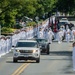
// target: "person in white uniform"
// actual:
[[63, 32], [8, 44], [73, 34], [45, 33], [50, 35], [59, 36], [73, 56], [3, 45], [68, 35], [40, 34], [0, 48]]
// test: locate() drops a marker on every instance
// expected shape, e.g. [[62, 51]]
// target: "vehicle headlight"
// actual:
[[17, 50], [34, 51]]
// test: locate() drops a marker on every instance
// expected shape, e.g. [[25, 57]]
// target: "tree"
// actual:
[[65, 5]]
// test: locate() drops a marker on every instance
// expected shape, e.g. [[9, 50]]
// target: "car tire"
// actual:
[[38, 60], [14, 59], [48, 50]]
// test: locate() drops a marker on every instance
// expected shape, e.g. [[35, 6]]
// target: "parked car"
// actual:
[[26, 50], [44, 45]]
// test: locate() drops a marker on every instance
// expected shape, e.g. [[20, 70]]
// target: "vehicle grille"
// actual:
[[43, 45], [26, 51]]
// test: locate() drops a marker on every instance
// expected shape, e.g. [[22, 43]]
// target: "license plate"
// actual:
[[25, 55]]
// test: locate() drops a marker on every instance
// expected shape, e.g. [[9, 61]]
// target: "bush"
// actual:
[[6, 30], [31, 24], [17, 26]]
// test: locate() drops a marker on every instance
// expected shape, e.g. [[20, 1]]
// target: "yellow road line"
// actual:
[[20, 69]]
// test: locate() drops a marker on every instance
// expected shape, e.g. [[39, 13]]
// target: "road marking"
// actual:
[[20, 69]]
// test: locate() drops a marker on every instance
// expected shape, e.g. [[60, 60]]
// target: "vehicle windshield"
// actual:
[[62, 23], [41, 40], [26, 44]]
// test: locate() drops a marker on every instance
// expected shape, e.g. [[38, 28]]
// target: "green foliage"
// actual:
[[6, 30], [10, 10], [66, 5], [17, 26], [31, 23]]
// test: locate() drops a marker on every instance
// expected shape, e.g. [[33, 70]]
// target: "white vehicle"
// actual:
[[64, 20], [26, 50]]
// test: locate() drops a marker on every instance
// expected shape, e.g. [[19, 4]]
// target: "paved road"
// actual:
[[59, 62], [73, 22]]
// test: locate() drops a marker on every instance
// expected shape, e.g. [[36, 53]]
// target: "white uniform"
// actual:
[[68, 35], [22, 34], [14, 40], [8, 44], [73, 58], [73, 34], [45, 34], [50, 36], [40, 34], [63, 30], [3, 46], [59, 36], [0, 49]]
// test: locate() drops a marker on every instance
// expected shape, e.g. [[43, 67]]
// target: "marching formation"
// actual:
[[42, 31], [6, 42], [62, 34]]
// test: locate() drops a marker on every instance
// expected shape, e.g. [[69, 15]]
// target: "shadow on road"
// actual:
[[21, 61], [61, 53]]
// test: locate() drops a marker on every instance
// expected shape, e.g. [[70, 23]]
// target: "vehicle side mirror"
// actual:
[[13, 47]]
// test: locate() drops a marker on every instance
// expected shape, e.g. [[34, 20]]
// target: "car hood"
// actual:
[[26, 48]]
